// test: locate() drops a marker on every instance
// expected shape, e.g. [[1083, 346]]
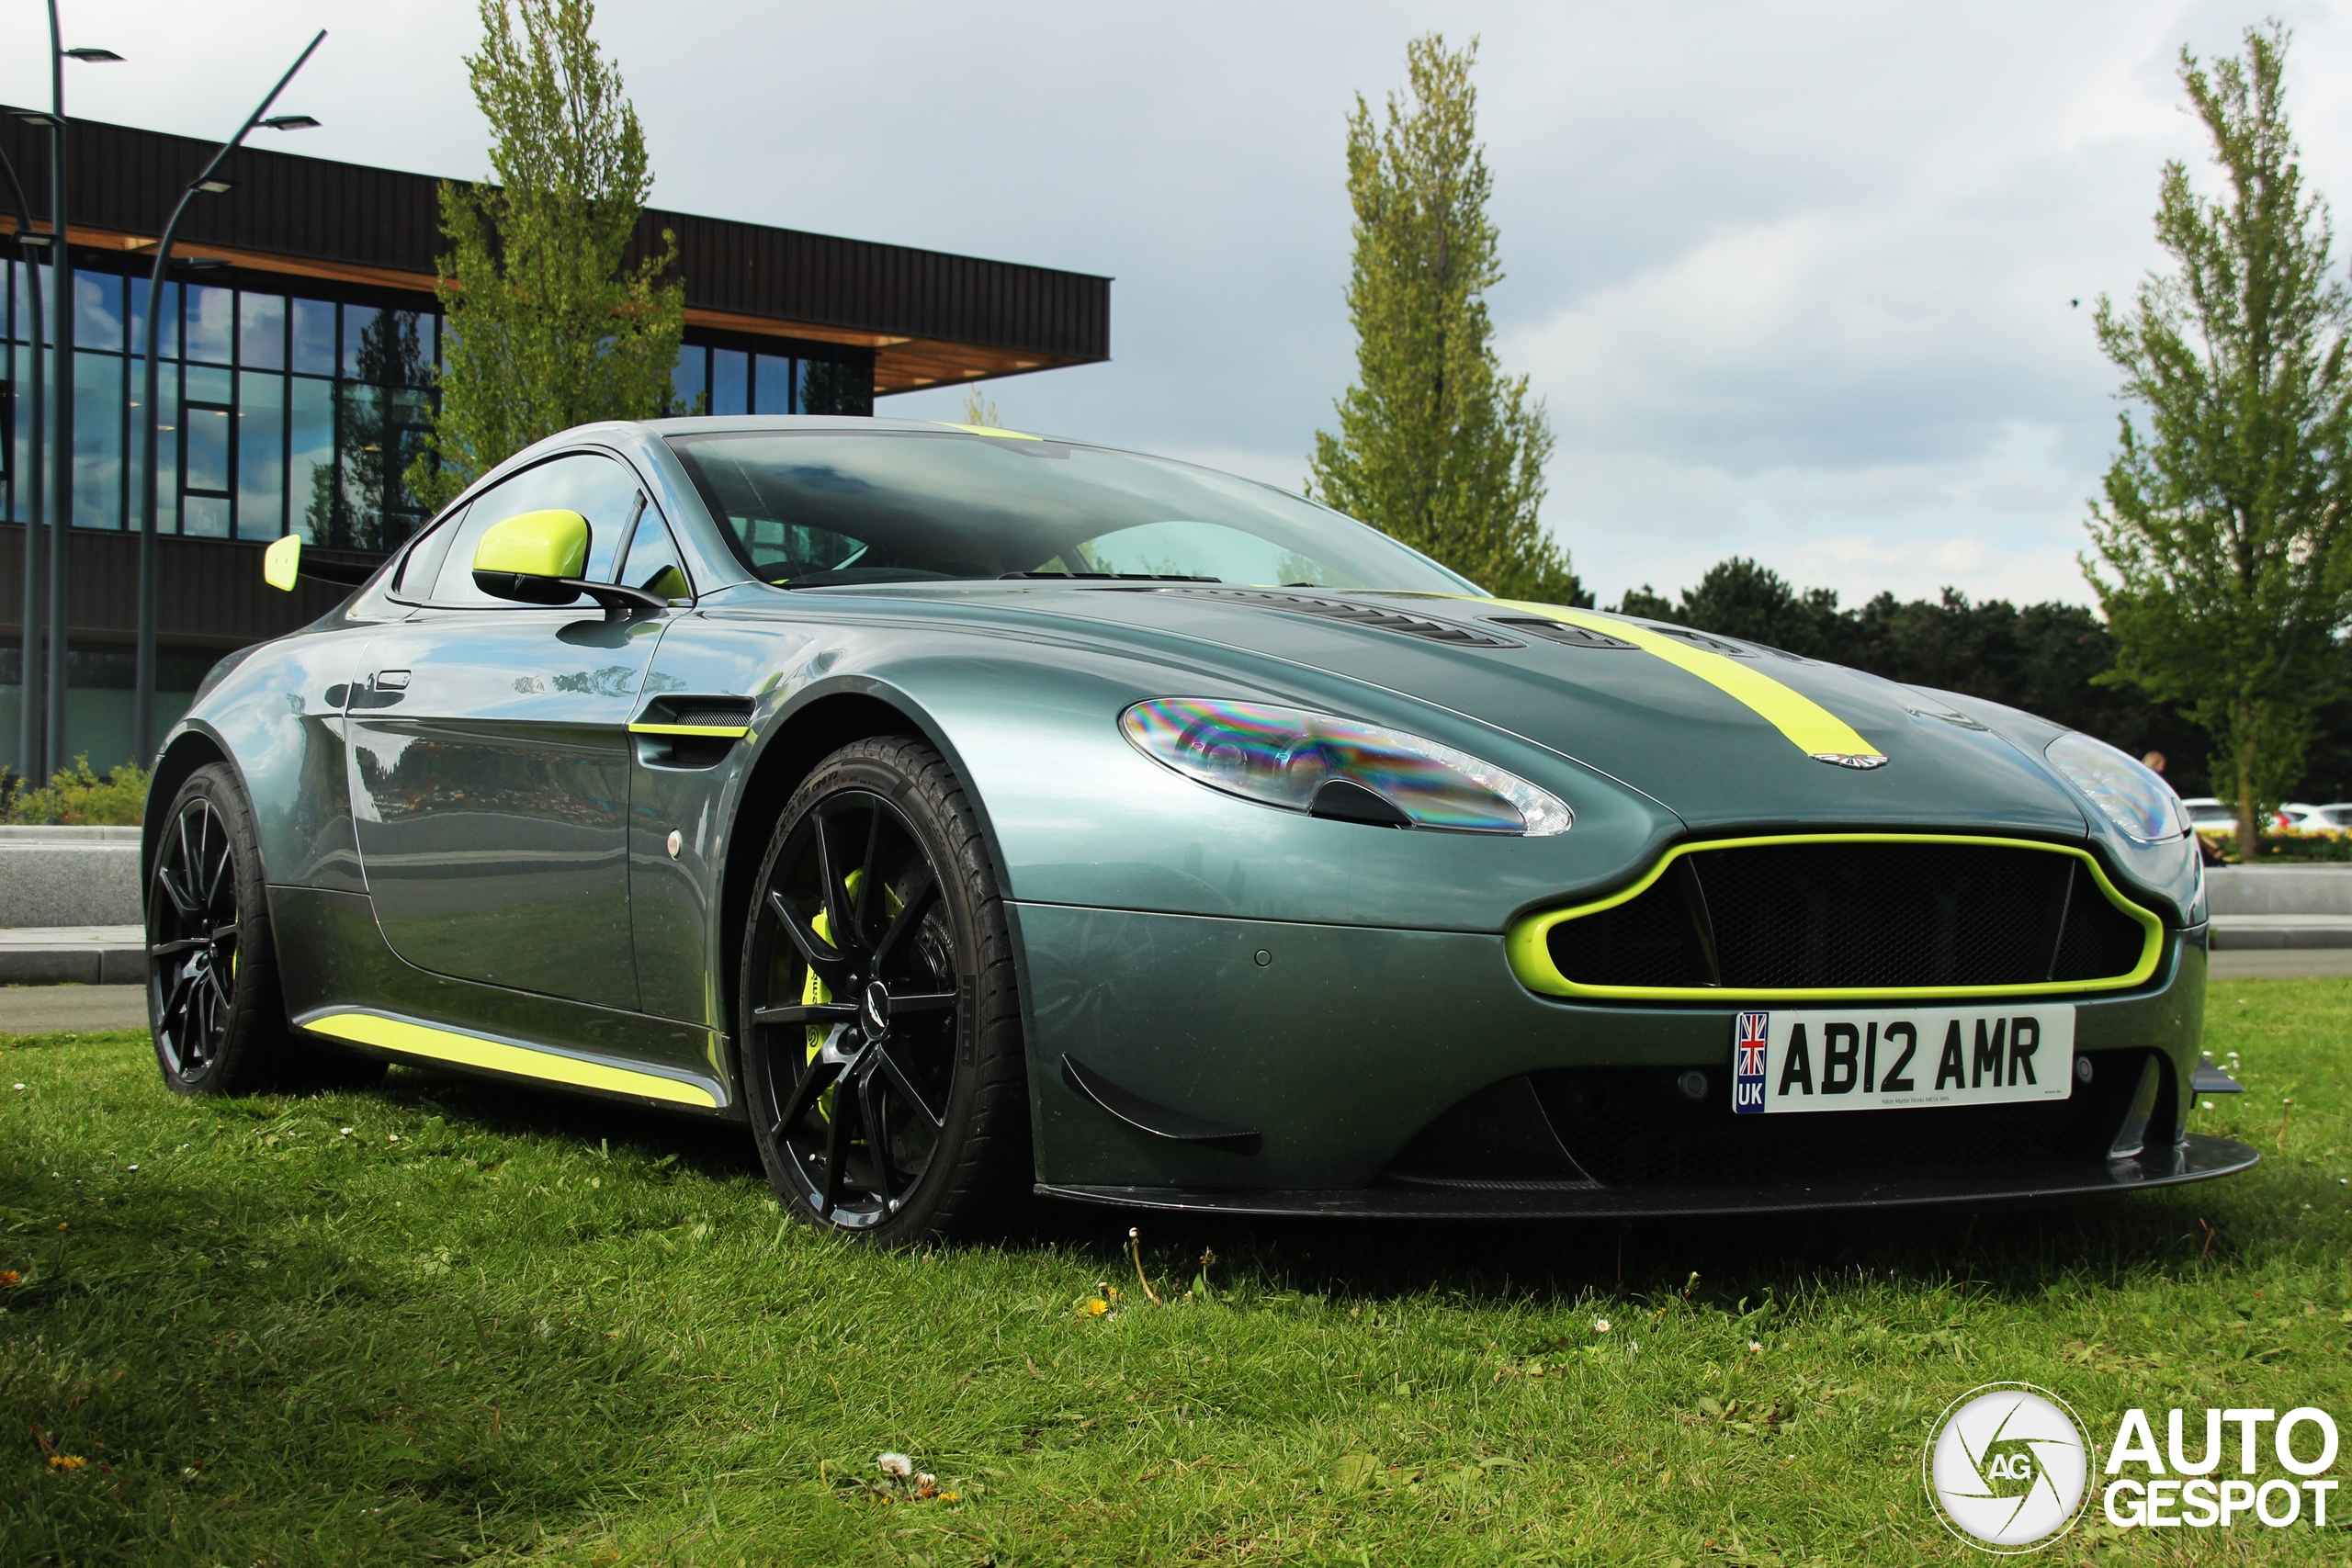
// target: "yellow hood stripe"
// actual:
[[1810, 728]]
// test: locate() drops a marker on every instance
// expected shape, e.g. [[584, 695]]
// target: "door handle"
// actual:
[[390, 681]]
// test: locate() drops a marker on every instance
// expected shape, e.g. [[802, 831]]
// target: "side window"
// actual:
[[424, 563], [600, 488], [652, 561]]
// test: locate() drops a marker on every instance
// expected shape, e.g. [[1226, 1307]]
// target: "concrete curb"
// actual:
[[2279, 889], [73, 955], [2254, 933], [68, 876]]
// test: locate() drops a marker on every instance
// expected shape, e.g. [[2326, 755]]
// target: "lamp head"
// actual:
[[290, 122], [95, 56]]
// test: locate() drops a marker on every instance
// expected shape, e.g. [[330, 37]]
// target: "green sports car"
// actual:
[[966, 813]]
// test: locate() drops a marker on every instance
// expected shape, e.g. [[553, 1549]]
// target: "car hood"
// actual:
[[1723, 734]]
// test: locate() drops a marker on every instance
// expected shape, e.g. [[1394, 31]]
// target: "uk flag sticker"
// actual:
[[1747, 1053]]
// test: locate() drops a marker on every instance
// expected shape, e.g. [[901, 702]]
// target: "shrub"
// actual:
[[76, 798]]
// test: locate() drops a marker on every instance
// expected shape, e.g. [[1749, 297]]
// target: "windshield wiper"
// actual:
[[1101, 576]]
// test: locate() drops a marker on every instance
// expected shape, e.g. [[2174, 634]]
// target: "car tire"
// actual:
[[881, 1053], [214, 1005]]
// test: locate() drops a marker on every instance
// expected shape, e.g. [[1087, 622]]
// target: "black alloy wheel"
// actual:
[[881, 1033], [211, 991], [213, 1002]]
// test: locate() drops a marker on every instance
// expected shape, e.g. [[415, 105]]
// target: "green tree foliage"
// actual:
[[549, 327], [2049, 658], [2222, 535], [1436, 445]]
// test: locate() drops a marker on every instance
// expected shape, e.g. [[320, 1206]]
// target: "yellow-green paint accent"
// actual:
[[1810, 728], [499, 1055], [988, 430], [282, 562], [1530, 952], [549, 543], [715, 731]]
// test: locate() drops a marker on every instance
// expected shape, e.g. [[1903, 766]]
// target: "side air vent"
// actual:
[[701, 711], [1557, 631], [1354, 614]]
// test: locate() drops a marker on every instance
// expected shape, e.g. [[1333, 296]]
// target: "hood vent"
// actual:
[[1557, 631], [1354, 614]]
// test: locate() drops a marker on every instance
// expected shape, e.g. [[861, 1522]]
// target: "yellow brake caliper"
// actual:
[[814, 991]]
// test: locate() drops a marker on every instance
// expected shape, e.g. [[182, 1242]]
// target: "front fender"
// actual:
[[276, 717]]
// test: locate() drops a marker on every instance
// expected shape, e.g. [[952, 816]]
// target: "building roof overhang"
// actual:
[[929, 316]]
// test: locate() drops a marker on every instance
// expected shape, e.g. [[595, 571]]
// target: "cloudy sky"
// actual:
[[1796, 281]]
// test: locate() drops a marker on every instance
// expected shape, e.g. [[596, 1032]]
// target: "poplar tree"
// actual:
[[2228, 569], [1436, 446], [549, 328]]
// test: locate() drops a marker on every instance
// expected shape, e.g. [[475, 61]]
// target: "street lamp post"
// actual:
[[143, 719], [29, 735], [60, 494]]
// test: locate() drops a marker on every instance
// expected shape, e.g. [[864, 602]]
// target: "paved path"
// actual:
[[44, 1009]]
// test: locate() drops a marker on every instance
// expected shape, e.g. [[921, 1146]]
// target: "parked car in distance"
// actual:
[[2204, 811], [2335, 817]]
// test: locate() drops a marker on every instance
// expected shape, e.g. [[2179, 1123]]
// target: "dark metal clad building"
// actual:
[[298, 363]]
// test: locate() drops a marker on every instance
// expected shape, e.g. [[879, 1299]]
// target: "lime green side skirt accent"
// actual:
[[502, 1056], [1530, 949], [717, 731]]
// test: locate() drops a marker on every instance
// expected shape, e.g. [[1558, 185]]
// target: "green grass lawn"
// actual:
[[443, 1322]]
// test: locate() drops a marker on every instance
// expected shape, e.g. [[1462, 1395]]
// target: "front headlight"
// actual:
[[1335, 767], [2140, 804]]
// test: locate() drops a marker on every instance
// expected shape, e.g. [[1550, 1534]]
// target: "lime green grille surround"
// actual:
[[1529, 948]]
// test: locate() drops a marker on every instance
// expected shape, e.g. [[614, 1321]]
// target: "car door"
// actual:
[[491, 763]]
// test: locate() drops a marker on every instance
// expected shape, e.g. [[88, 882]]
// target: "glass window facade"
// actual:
[[298, 409]]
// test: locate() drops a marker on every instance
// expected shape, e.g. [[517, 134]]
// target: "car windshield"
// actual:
[[826, 508]]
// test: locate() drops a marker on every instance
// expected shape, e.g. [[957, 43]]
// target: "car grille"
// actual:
[[1841, 915]]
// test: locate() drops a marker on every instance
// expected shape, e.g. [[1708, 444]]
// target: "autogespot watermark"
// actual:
[[2008, 1469], [2173, 1489]]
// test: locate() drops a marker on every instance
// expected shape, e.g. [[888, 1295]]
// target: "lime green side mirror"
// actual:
[[282, 563], [282, 566], [534, 556]]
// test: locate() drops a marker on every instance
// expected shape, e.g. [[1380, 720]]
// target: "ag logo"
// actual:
[[2006, 1468]]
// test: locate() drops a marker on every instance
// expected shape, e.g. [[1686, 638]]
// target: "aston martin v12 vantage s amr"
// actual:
[[965, 812]]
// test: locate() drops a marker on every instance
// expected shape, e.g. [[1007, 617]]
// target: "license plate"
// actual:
[[1885, 1060]]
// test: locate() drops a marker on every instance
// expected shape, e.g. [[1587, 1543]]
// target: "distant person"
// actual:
[[2154, 761]]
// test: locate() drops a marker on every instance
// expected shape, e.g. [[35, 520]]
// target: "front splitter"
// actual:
[[2199, 1158]]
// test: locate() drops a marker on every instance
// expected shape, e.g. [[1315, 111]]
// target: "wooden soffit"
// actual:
[[900, 363]]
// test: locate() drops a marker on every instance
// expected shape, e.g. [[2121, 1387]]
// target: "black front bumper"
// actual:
[[2196, 1158]]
